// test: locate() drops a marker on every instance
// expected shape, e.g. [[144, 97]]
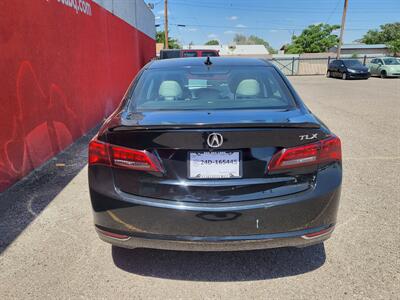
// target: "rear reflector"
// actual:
[[317, 234], [101, 153], [113, 235], [324, 151]]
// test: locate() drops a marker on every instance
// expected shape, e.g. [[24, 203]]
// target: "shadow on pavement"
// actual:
[[220, 266], [25, 200]]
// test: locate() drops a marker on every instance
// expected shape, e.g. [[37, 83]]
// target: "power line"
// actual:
[[361, 10], [255, 28], [333, 11]]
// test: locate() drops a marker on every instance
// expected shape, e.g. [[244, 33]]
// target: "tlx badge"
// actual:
[[308, 136]]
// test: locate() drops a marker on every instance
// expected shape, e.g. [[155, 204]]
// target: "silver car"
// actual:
[[385, 67]]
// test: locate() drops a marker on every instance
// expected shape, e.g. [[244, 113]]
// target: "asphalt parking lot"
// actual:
[[49, 248]]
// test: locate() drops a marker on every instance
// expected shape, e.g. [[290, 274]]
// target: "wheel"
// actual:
[[344, 76], [328, 74], [383, 74]]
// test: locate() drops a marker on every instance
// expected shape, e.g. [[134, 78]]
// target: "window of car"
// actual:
[[351, 63], [169, 54], [391, 61], [334, 63], [189, 54], [380, 61], [338, 63], [208, 53], [205, 88]]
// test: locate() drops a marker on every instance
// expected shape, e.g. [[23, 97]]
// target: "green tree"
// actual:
[[315, 38], [212, 42], [386, 34], [371, 37], [172, 43], [241, 39], [394, 47]]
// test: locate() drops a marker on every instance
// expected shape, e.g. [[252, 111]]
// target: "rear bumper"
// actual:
[[229, 243], [163, 224]]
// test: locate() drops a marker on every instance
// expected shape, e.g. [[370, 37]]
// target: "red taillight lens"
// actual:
[[321, 152], [331, 150], [134, 159], [98, 153], [110, 155]]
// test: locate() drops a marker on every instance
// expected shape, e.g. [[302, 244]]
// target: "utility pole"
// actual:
[[166, 23], [346, 2]]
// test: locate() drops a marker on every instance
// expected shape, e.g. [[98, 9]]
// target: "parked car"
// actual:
[[347, 69], [385, 67], [176, 53], [214, 154]]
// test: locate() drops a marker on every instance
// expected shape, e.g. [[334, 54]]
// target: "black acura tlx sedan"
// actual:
[[214, 154]]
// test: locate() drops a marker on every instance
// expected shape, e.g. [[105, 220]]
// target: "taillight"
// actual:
[[110, 155], [321, 152], [98, 153], [134, 159]]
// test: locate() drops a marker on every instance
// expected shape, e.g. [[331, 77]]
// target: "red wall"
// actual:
[[61, 72]]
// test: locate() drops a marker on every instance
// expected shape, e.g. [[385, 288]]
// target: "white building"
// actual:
[[233, 50], [363, 49]]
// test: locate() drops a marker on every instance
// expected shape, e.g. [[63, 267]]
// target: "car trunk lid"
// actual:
[[174, 139]]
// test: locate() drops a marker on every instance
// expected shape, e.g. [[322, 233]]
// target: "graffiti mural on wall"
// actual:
[[78, 6], [62, 73], [35, 140]]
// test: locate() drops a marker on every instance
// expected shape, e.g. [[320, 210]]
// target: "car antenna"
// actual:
[[208, 61]]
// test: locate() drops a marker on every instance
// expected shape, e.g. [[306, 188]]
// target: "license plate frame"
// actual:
[[238, 171]]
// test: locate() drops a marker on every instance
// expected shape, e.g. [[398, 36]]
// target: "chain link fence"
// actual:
[[297, 65]]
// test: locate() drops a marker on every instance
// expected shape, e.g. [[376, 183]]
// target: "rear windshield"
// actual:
[[170, 54], [352, 63], [208, 53], [205, 88], [189, 54]]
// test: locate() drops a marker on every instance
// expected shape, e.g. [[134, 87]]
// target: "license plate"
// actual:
[[216, 164]]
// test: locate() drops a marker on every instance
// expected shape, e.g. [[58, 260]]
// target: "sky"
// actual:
[[275, 21]]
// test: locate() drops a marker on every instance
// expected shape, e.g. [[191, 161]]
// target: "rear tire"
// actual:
[[383, 74], [344, 76], [328, 74]]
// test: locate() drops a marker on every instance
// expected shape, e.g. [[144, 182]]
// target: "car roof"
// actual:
[[199, 49], [199, 61], [194, 49]]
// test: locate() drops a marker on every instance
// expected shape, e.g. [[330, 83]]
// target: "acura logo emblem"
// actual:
[[215, 140]]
